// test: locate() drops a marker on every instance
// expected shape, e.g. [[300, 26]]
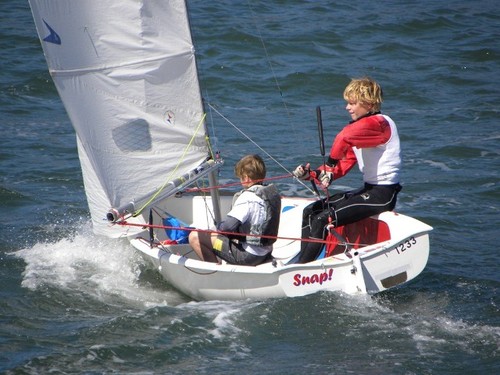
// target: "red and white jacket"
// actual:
[[371, 141]]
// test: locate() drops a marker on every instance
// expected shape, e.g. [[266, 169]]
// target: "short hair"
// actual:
[[252, 166], [364, 90]]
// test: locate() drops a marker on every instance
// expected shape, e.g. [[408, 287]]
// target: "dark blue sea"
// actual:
[[72, 302]]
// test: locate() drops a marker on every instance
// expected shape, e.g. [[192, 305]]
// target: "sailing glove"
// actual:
[[325, 178], [302, 172]]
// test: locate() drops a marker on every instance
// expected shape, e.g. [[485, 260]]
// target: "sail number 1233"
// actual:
[[405, 245]]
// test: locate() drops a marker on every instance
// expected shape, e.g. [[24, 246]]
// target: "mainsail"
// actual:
[[126, 73]]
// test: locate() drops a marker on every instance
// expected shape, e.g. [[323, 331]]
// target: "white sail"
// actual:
[[126, 73]]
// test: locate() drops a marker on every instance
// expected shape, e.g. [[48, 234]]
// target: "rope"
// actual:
[[268, 59], [205, 189], [136, 213], [209, 231], [255, 18], [256, 145]]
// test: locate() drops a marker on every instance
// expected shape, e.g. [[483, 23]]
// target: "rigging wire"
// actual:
[[212, 109], [231, 184], [256, 145], [268, 59], [278, 86]]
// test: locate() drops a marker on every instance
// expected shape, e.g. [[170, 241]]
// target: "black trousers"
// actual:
[[341, 209]]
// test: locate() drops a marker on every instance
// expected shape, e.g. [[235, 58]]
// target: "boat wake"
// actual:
[[101, 268]]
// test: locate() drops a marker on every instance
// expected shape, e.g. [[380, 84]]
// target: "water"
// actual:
[[75, 303]]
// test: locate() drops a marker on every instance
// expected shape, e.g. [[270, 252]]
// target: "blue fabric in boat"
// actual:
[[177, 230]]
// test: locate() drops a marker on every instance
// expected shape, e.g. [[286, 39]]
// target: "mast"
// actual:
[[213, 175]]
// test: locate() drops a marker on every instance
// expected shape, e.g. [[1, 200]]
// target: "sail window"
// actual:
[[133, 136]]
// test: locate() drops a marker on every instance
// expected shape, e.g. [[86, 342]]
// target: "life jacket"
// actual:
[[381, 164], [272, 207], [374, 143]]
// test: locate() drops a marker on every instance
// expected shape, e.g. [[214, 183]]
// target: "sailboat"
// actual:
[[126, 72]]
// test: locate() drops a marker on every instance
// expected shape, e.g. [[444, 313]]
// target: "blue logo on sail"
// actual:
[[53, 37]]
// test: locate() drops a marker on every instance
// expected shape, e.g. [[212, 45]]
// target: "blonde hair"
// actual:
[[366, 91], [252, 166]]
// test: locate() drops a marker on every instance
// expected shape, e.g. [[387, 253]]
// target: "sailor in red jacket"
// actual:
[[371, 140]]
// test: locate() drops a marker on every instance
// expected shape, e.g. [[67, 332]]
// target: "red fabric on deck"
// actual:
[[361, 233]]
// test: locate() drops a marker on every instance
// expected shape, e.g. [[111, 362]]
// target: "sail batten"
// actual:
[[126, 74]]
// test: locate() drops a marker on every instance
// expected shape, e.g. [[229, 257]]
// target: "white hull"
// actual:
[[368, 269]]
